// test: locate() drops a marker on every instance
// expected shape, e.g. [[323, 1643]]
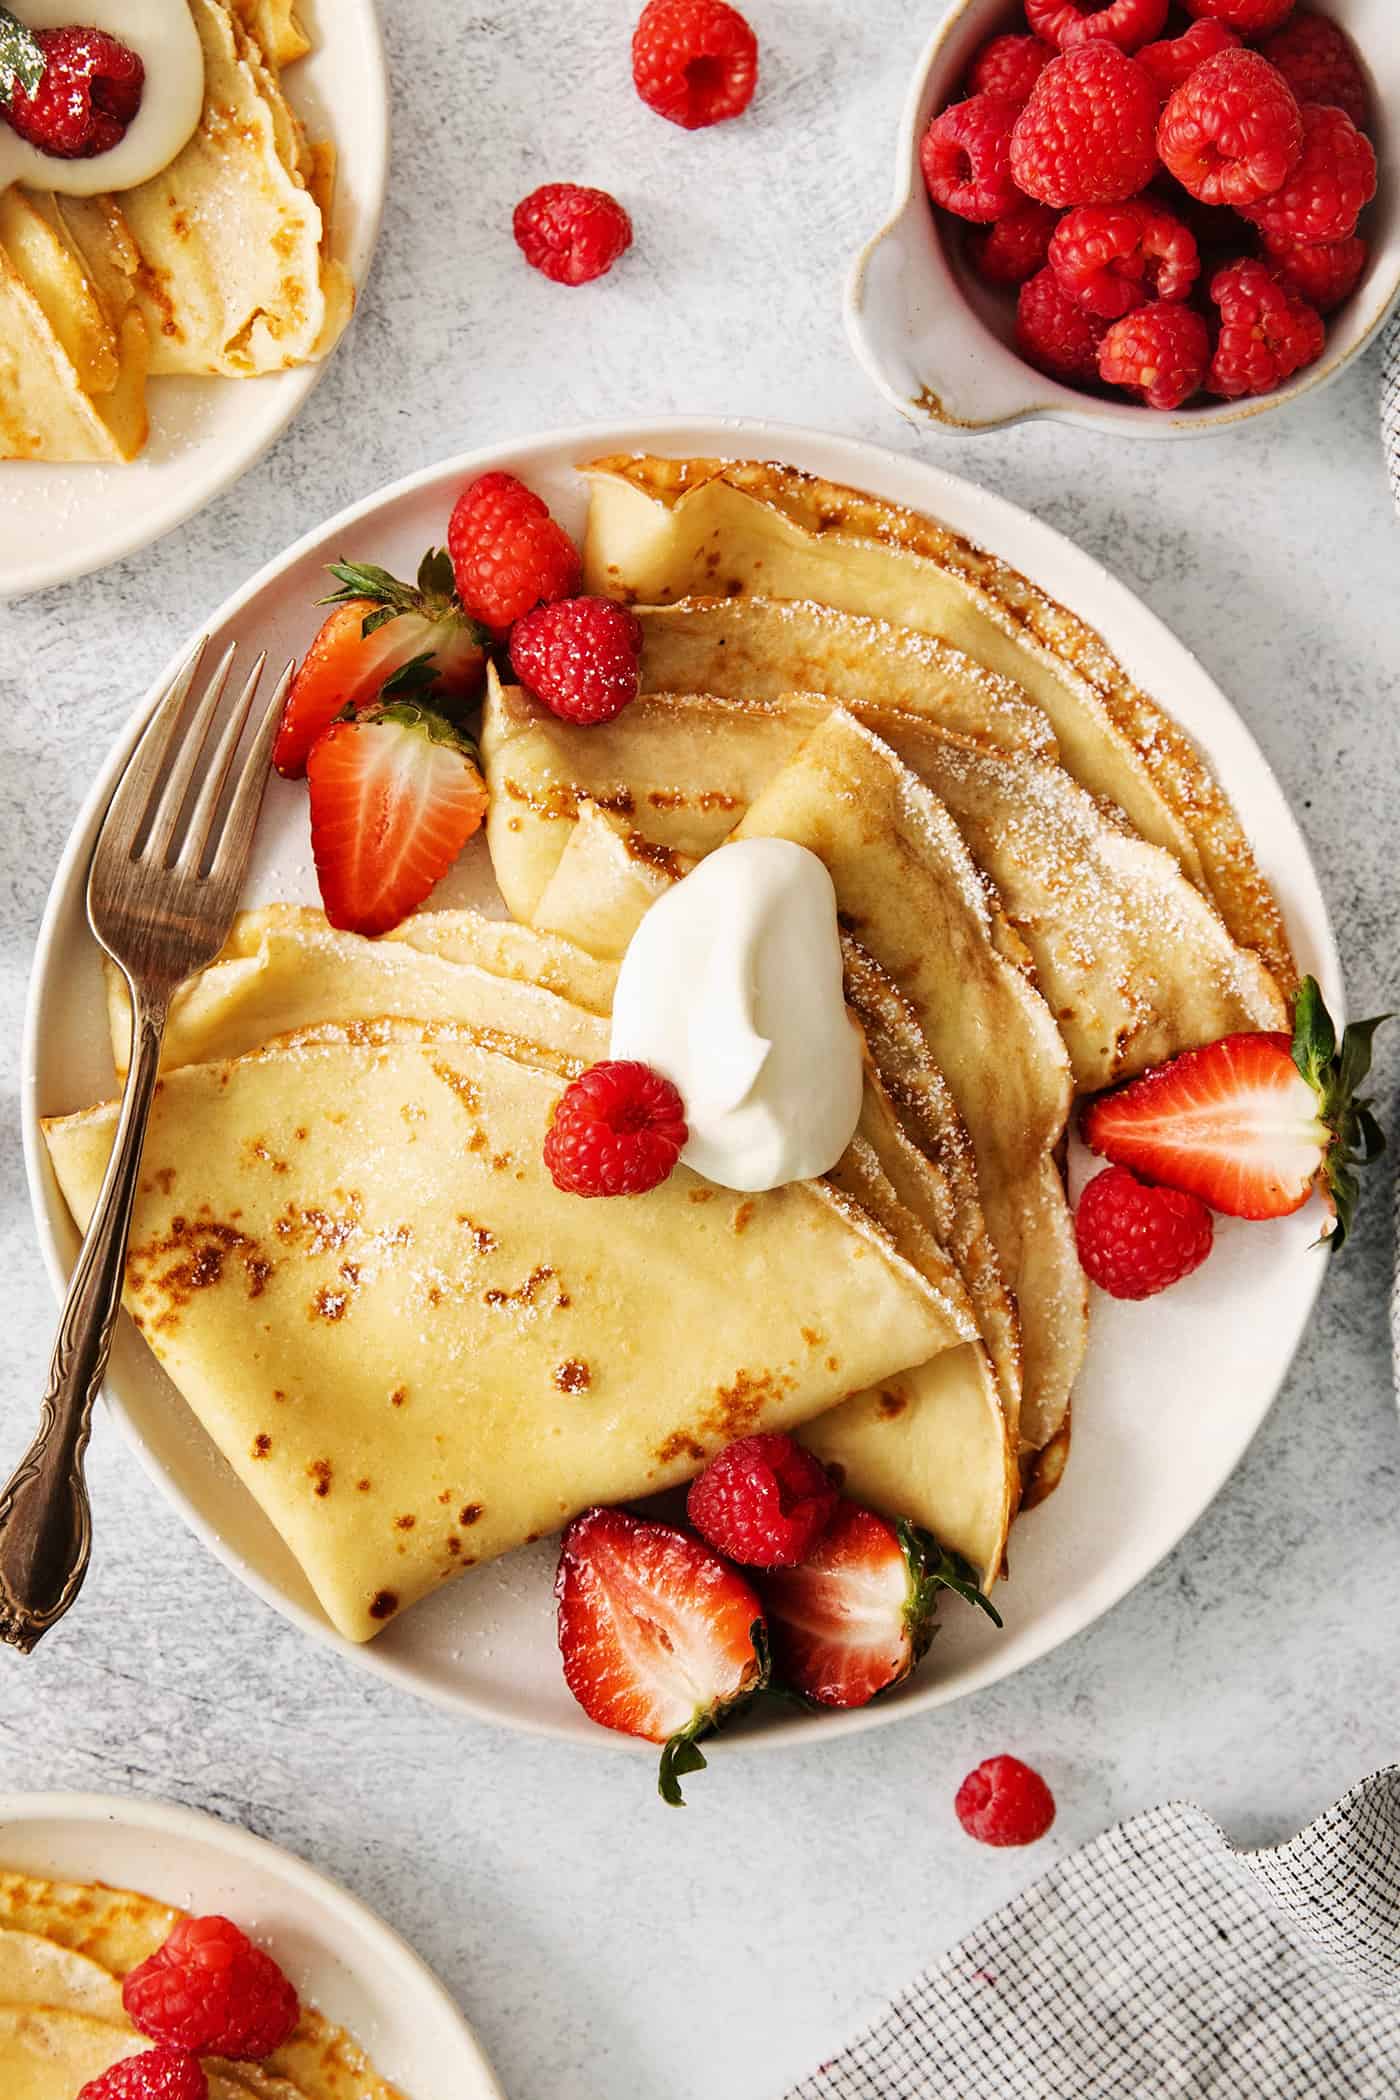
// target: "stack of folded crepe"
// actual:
[[65, 1948], [219, 266], [415, 1351]]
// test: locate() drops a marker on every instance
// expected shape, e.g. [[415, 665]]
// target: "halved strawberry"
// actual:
[[660, 1637], [381, 631], [395, 795], [855, 1617], [1253, 1123]]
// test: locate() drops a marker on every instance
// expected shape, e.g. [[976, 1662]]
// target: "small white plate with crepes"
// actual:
[[155, 338], [367, 1439], [90, 1887]]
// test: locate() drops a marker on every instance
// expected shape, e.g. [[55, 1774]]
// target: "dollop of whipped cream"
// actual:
[[164, 37], [731, 988]]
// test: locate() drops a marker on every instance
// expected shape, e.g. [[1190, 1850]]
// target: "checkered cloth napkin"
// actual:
[[1159, 1963], [1390, 402]]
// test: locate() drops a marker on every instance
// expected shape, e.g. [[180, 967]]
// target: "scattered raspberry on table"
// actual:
[[571, 232], [1004, 1802], [695, 62]]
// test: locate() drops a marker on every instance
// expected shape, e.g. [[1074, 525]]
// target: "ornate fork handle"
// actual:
[[45, 1520]]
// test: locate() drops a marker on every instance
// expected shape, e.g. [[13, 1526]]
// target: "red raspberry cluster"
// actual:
[[1178, 210]]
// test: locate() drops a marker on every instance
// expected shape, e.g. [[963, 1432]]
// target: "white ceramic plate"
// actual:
[[1172, 1391], [938, 341], [60, 522], [338, 1954]]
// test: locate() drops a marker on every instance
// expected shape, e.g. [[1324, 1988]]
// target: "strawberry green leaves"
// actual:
[[1335, 1073]]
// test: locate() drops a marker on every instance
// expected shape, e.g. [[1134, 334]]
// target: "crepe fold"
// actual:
[[666, 529], [74, 351], [417, 1353], [937, 1443]]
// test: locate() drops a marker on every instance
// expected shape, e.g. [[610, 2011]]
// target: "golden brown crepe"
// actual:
[[92, 1936], [1133, 961], [231, 272], [286, 967], [72, 362], [416, 1352], [666, 529], [911, 895]]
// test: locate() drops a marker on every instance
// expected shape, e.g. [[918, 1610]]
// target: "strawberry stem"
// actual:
[[1334, 1075]]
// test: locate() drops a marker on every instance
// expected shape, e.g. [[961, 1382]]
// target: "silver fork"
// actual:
[[161, 894]]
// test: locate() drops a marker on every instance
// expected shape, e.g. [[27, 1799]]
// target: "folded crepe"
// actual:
[[417, 1353], [73, 352], [231, 268], [666, 529], [910, 894], [1134, 962], [950, 1461], [683, 769], [83, 1938]]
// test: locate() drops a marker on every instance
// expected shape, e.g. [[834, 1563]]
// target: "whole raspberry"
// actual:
[[1249, 17], [1135, 1239], [579, 657], [763, 1502], [571, 232], [1114, 257], [211, 1990], [1054, 332], [1319, 61], [1009, 66], [157, 2074], [1126, 23], [966, 158], [1232, 132], [617, 1131], [508, 554], [1176, 58], [694, 62], [1267, 333], [1004, 1803], [91, 90], [1328, 190], [1013, 248], [1159, 352], [1087, 134], [1325, 275]]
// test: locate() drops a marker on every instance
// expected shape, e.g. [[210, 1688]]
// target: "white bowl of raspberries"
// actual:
[[1151, 216]]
